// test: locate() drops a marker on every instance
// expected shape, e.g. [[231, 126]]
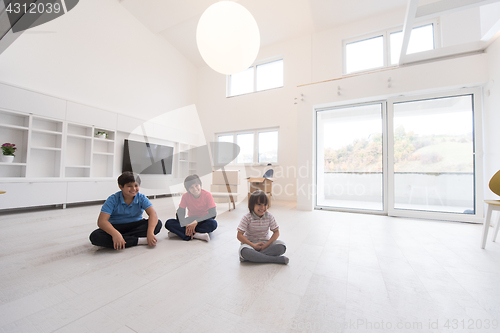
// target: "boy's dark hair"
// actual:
[[129, 177], [190, 180], [257, 197]]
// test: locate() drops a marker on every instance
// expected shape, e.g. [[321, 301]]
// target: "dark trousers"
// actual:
[[206, 226], [130, 232]]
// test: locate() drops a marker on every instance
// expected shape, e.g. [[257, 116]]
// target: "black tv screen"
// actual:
[[147, 158]]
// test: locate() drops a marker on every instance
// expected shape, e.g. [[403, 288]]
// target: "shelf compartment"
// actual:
[[15, 120], [77, 151], [75, 130], [111, 134], [76, 171], [102, 165], [19, 137], [44, 163], [46, 140], [12, 169], [42, 124], [104, 146]]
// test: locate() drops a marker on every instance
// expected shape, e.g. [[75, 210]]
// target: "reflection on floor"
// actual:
[[347, 272], [379, 206]]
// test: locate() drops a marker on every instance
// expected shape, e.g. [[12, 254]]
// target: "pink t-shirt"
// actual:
[[197, 207]]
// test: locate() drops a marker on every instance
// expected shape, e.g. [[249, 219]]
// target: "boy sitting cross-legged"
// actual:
[[120, 221], [201, 208]]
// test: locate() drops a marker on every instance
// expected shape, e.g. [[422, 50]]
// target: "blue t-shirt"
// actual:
[[120, 212]]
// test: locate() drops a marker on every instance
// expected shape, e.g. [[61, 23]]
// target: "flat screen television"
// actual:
[[147, 158]]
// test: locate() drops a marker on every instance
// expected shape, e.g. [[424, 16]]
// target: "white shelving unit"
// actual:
[[57, 161], [51, 148]]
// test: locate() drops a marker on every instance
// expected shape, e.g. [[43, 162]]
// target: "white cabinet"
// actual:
[[22, 100], [30, 194], [91, 116], [86, 191]]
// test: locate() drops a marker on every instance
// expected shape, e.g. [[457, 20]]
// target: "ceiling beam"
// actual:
[[411, 11], [448, 6]]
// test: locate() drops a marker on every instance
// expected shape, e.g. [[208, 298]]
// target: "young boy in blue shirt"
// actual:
[[120, 221]]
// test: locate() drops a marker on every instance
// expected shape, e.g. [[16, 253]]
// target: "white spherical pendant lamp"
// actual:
[[228, 37]]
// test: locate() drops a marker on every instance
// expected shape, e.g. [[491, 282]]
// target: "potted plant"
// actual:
[[101, 135], [8, 150]]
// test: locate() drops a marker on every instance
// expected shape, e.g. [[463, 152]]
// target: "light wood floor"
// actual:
[[347, 273]]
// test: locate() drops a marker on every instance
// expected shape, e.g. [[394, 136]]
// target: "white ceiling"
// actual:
[[278, 20]]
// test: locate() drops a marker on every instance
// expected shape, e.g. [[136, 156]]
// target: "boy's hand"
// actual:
[[118, 242], [190, 229], [151, 239]]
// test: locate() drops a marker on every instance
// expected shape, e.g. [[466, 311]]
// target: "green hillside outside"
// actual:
[[412, 153]]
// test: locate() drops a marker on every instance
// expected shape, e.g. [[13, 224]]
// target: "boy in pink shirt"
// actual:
[[200, 220]]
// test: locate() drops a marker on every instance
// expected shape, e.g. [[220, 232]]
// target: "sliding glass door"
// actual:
[[427, 169], [349, 157], [433, 165]]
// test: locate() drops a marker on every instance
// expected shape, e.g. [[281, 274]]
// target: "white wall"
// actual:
[[491, 119], [459, 27], [98, 54]]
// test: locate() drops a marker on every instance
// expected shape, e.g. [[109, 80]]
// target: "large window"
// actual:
[[256, 146], [384, 48], [259, 77], [411, 156]]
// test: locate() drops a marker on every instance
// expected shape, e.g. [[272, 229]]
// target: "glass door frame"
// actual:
[[477, 152], [388, 156], [383, 104]]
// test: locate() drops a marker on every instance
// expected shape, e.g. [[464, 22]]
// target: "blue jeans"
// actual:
[[206, 226]]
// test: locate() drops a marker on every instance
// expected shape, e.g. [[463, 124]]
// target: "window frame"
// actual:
[[255, 132], [386, 33], [361, 39], [436, 36], [254, 66]]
